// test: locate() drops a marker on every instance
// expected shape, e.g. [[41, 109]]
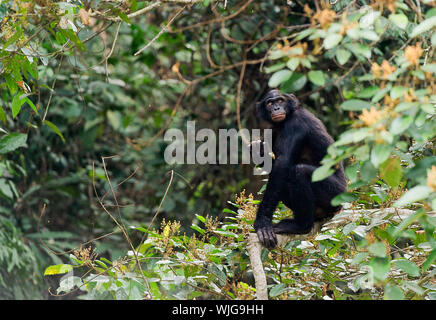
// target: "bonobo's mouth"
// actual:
[[279, 117]]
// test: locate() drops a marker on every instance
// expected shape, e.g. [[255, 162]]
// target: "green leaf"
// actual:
[[379, 154], [55, 129], [122, 15], [2, 115], [277, 290], [279, 77], [17, 102], [411, 285], [101, 264], [362, 153], [368, 172], [305, 33], [294, 83], [332, 40], [226, 210], [12, 85], [380, 94], [368, 92], [392, 292], [58, 269], [426, 107], [201, 218], [13, 39], [306, 62], [391, 172], [322, 172], [431, 257], [352, 136], [415, 194], [400, 124], [380, 266], [430, 13], [277, 54], [293, 63], [424, 26], [226, 233], [407, 266], [275, 67], [106, 260], [31, 104], [12, 141], [342, 56], [403, 106], [343, 197], [197, 228], [398, 92], [369, 35], [400, 20], [352, 171], [359, 257], [317, 77], [378, 249], [431, 67], [355, 105], [5, 189], [407, 222], [360, 49], [70, 34]]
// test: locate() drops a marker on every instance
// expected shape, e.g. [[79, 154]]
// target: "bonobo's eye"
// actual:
[[280, 100], [269, 104]]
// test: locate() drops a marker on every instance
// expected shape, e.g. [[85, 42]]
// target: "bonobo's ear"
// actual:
[[259, 108], [292, 98], [261, 111]]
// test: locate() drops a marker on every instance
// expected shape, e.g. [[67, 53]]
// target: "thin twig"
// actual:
[[122, 228], [160, 205], [173, 113], [202, 23], [106, 58], [59, 253], [164, 29], [52, 88]]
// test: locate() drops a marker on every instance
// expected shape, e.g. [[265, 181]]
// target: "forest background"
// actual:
[[88, 88]]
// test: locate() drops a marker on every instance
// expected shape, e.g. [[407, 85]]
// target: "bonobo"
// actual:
[[300, 142]]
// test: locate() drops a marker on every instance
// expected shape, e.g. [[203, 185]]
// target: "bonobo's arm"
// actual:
[[271, 198], [289, 149]]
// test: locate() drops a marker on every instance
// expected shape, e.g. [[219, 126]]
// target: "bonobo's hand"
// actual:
[[265, 233]]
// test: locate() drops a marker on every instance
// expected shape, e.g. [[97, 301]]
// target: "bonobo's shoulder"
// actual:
[[309, 119], [305, 114]]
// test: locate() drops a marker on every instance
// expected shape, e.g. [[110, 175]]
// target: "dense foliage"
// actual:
[[89, 87]]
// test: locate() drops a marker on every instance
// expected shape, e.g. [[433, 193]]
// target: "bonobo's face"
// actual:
[[276, 107]]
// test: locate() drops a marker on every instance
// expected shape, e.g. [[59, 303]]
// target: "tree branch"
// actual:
[[254, 247]]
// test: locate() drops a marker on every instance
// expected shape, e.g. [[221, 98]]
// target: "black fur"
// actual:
[[300, 142]]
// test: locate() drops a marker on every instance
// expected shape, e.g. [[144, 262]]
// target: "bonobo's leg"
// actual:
[[302, 196], [299, 197]]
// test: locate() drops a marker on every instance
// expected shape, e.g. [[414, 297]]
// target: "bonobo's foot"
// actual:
[[288, 226], [265, 233]]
